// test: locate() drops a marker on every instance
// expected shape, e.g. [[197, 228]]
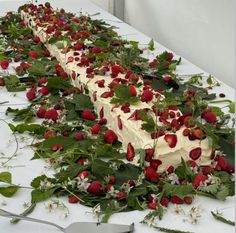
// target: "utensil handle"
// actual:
[[7, 214]]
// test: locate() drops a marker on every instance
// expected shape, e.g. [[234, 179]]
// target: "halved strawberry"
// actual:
[[132, 90], [120, 126], [101, 113], [130, 152], [195, 153], [171, 139]]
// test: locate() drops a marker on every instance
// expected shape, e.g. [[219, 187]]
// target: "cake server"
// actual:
[[77, 227]]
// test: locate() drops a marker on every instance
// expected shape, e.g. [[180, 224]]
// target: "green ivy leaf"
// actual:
[[41, 195], [8, 191], [5, 177], [178, 190]]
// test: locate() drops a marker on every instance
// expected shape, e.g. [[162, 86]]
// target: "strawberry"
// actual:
[[73, 199], [78, 136], [42, 81], [176, 200], [172, 114], [171, 139], [96, 50], [151, 174], [132, 90], [4, 64], [198, 133], [31, 94], [102, 121], [164, 201], [107, 94], [209, 116], [44, 91], [188, 200], [221, 95], [130, 152], [51, 114], [198, 179], [195, 153], [95, 187], [100, 83], [110, 137], [88, 115], [146, 96], [116, 69], [122, 195], [33, 54], [222, 163], [170, 169], [95, 129], [186, 132], [120, 126], [207, 170], [152, 205], [49, 133], [56, 147], [36, 39], [149, 153], [41, 112], [155, 163], [175, 124], [101, 113], [84, 174], [112, 179]]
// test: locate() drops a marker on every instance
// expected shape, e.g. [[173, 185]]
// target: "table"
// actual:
[[24, 170]]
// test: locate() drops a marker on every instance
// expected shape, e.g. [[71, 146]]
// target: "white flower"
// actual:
[[45, 184], [173, 178], [82, 183], [112, 192]]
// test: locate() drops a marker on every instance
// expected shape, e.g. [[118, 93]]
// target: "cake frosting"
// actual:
[[131, 131]]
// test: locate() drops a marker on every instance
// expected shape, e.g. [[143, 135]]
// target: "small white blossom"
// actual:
[[126, 187], [173, 178], [45, 184], [112, 192], [82, 183]]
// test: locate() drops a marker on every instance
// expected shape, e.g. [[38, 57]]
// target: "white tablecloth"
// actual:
[[24, 170]]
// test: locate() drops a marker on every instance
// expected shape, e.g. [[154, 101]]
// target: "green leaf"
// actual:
[[56, 84], [25, 114], [183, 171], [178, 190], [216, 110], [151, 45], [13, 84], [33, 128], [149, 124], [8, 191], [232, 107], [35, 183], [41, 195], [5, 177], [82, 102], [222, 192], [100, 169], [37, 69], [134, 44], [108, 151]]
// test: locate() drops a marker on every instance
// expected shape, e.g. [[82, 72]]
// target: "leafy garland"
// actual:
[[66, 137]]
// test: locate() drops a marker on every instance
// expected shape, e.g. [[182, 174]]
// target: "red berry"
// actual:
[[115, 69], [207, 170], [222, 163], [49, 133], [155, 163], [88, 115], [176, 200], [186, 132], [198, 179], [95, 129], [194, 154], [149, 153], [222, 95], [36, 39], [171, 139], [56, 147], [151, 174], [41, 112], [33, 54], [130, 152], [73, 199], [112, 179], [164, 201], [95, 187], [4, 64], [119, 122], [146, 96], [78, 136], [84, 174], [110, 137], [52, 114], [132, 90], [188, 200], [122, 195], [152, 205]]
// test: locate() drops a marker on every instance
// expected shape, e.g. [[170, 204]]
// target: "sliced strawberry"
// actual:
[[132, 90], [198, 133], [164, 201], [195, 153], [101, 113], [120, 126], [171, 139], [149, 153], [130, 152]]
